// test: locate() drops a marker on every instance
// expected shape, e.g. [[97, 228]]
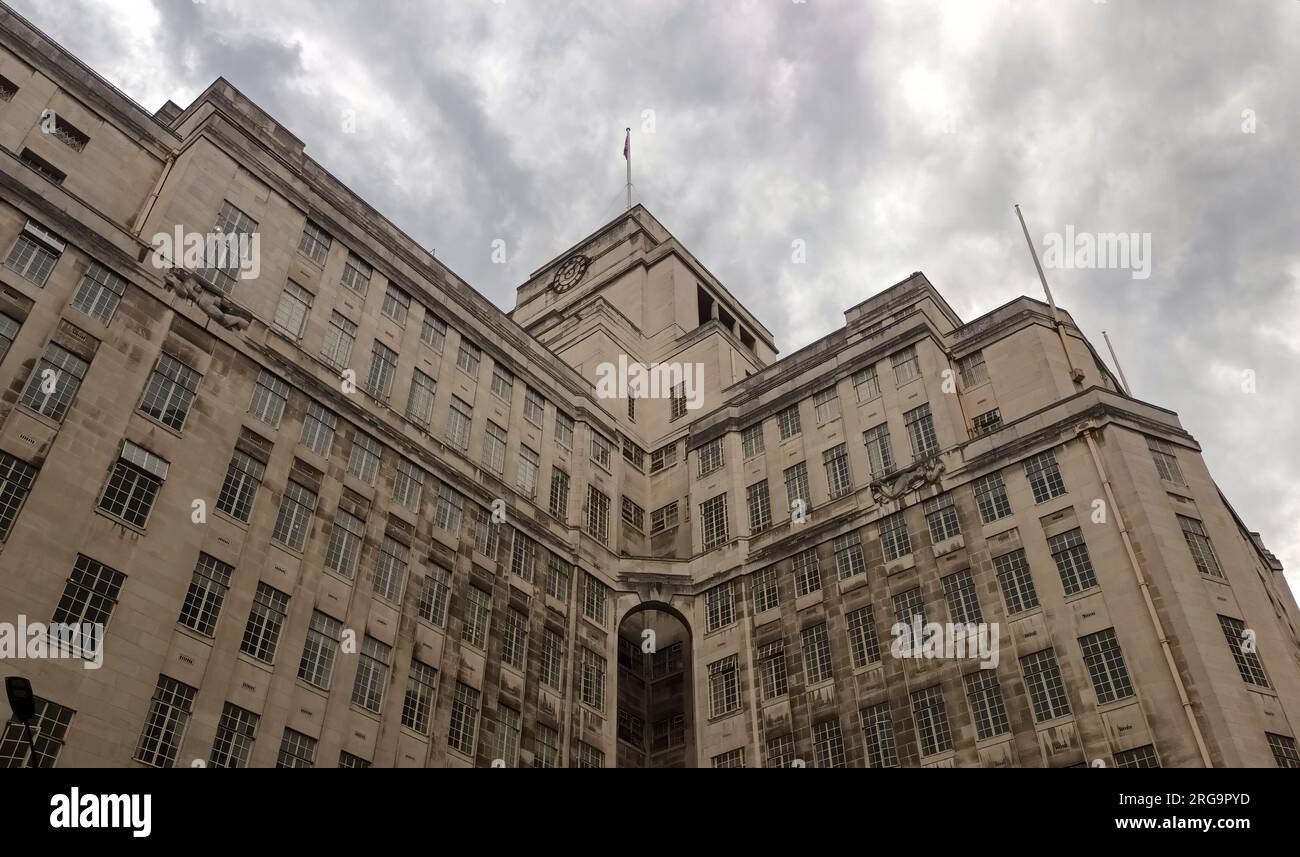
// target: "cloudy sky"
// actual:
[[890, 136]]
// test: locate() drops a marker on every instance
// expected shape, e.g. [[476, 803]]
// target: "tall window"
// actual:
[[1015, 582], [363, 459], [233, 223], [1138, 757], [600, 450], [296, 750], [270, 395], [390, 570], [1072, 561], [207, 592], [546, 747], [759, 502], [751, 440], [788, 422], [478, 612], [534, 406], [931, 717], [710, 456], [595, 600], [557, 578], [663, 458], [1043, 681], [449, 509], [318, 430], [772, 671], [796, 486], [494, 448], [318, 653], [16, 478], [816, 653], [356, 275], [838, 477], [559, 499], [593, 680], [991, 498], [1198, 542], [827, 405], [828, 744], [973, 370], [133, 485], [1243, 651], [434, 595], [941, 518], [920, 432], [963, 603], [468, 358], [433, 331], [408, 485], [293, 520], [720, 606], [34, 254], [1166, 460], [864, 643], [552, 672], [597, 515], [503, 383], [514, 638], [677, 402], [236, 731], [1044, 477], [1105, 664], [523, 556], [724, 686], [987, 707], [396, 305], [507, 736], [293, 310], [340, 335], [664, 518], [780, 751], [1284, 750], [866, 384], [344, 548], [383, 367], [848, 555], [879, 454], [907, 365], [564, 430], [633, 515], [48, 731], [459, 419], [807, 572], [766, 594], [372, 675], [419, 401], [265, 621], [164, 727], [8, 330], [243, 477], [417, 707], [99, 293], [909, 607], [54, 382], [713, 521], [894, 540], [314, 243], [986, 423], [878, 729], [90, 594]]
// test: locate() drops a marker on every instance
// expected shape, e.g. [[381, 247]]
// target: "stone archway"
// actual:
[[656, 727]]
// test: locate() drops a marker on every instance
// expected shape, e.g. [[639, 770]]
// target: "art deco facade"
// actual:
[[296, 571]]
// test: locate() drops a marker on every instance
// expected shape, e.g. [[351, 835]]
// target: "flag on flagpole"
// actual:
[[627, 145]]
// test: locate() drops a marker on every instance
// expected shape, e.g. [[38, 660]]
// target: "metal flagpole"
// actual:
[[627, 151], [1075, 374], [1115, 359]]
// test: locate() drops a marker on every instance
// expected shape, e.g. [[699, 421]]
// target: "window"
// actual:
[[69, 135], [1198, 542], [751, 440], [34, 254], [986, 423], [8, 89], [593, 680], [564, 430], [807, 573], [503, 383], [8, 331], [772, 676], [894, 540], [710, 457], [867, 384], [720, 606], [48, 730], [433, 331], [459, 419], [42, 166], [963, 603], [356, 275], [941, 517], [878, 729], [677, 402], [90, 594], [838, 477], [294, 308], [243, 478], [478, 612], [468, 357], [987, 707], [1072, 561], [396, 305], [546, 747], [317, 664], [552, 670], [447, 512], [170, 392], [526, 475], [344, 548], [134, 484], [408, 485], [487, 533], [595, 596], [730, 759], [759, 502], [363, 459], [828, 744], [372, 674], [99, 293], [434, 595], [600, 450], [597, 515], [788, 422], [827, 404], [589, 756], [1044, 477], [780, 751], [314, 243], [419, 401], [765, 591], [557, 578], [973, 371], [816, 653], [713, 521], [207, 592], [663, 518], [1106, 666], [879, 454], [864, 644], [920, 432], [991, 498], [164, 727], [633, 515], [1166, 460], [1015, 582], [296, 750], [931, 717], [318, 430], [54, 382], [1284, 750], [417, 707], [906, 365], [848, 555], [523, 556], [559, 500], [339, 337], [347, 760], [230, 252], [292, 522], [234, 742], [494, 448], [270, 395], [265, 620], [666, 662], [390, 570], [1141, 757], [507, 736], [909, 608], [1242, 646], [796, 487], [724, 687], [383, 366], [663, 458], [16, 478], [1043, 680], [534, 406]]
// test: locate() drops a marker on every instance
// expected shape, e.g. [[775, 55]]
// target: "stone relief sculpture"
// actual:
[[887, 489], [219, 307]]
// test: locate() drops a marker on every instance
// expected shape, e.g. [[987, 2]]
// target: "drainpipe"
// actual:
[[147, 208], [571, 686], [1087, 433], [753, 691]]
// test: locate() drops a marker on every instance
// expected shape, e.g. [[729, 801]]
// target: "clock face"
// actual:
[[570, 273]]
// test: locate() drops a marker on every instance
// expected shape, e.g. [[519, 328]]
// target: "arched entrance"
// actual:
[[656, 726]]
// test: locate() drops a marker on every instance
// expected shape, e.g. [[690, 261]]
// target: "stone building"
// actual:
[[335, 508]]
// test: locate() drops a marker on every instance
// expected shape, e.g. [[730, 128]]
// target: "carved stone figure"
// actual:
[[887, 489], [219, 307]]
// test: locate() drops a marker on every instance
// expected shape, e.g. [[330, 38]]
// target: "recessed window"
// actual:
[[408, 485], [867, 384], [973, 370], [713, 521], [763, 587], [849, 560], [171, 391], [597, 515], [710, 457], [1198, 542], [759, 501], [720, 606], [207, 592], [751, 440], [986, 423], [907, 366], [788, 421], [864, 643], [99, 293], [816, 654], [372, 675], [1166, 460], [231, 254], [1072, 561], [1044, 477], [941, 517], [796, 487], [894, 539], [468, 358], [265, 621], [988, 708], [417, 707], [293, 520], [459, 419], [433, 331], [663, 457], [65, 132], [827, 404], [318, 428], [296, 750], [1043, 681], [244, 476], [339, 337], [991, 498], [880, 456], [462, 731], [16, 478], [920, 432], [503, 383], [559, 496], [931, 716], [633, 515], [90, 594], [838, 477], [1015, 582], [318, 653], [8, 89], [600, 450], [724, 686], [963, 603], [236, 731], [1244, 654], [42, 166], [356, 274], [664, 518], [534, 407], [293, 310], [164, 727], [494, 448], [383, 368], [1105, 664], [828, 744], [878, 729], [314, 243], [54, 382], [133, 485], [270, 395], [772, 670], [363, 459], [347, 534], [564, 429], [34, 254], [434, 596]]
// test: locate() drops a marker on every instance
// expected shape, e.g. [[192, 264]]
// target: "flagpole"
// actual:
[[628, 148]]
